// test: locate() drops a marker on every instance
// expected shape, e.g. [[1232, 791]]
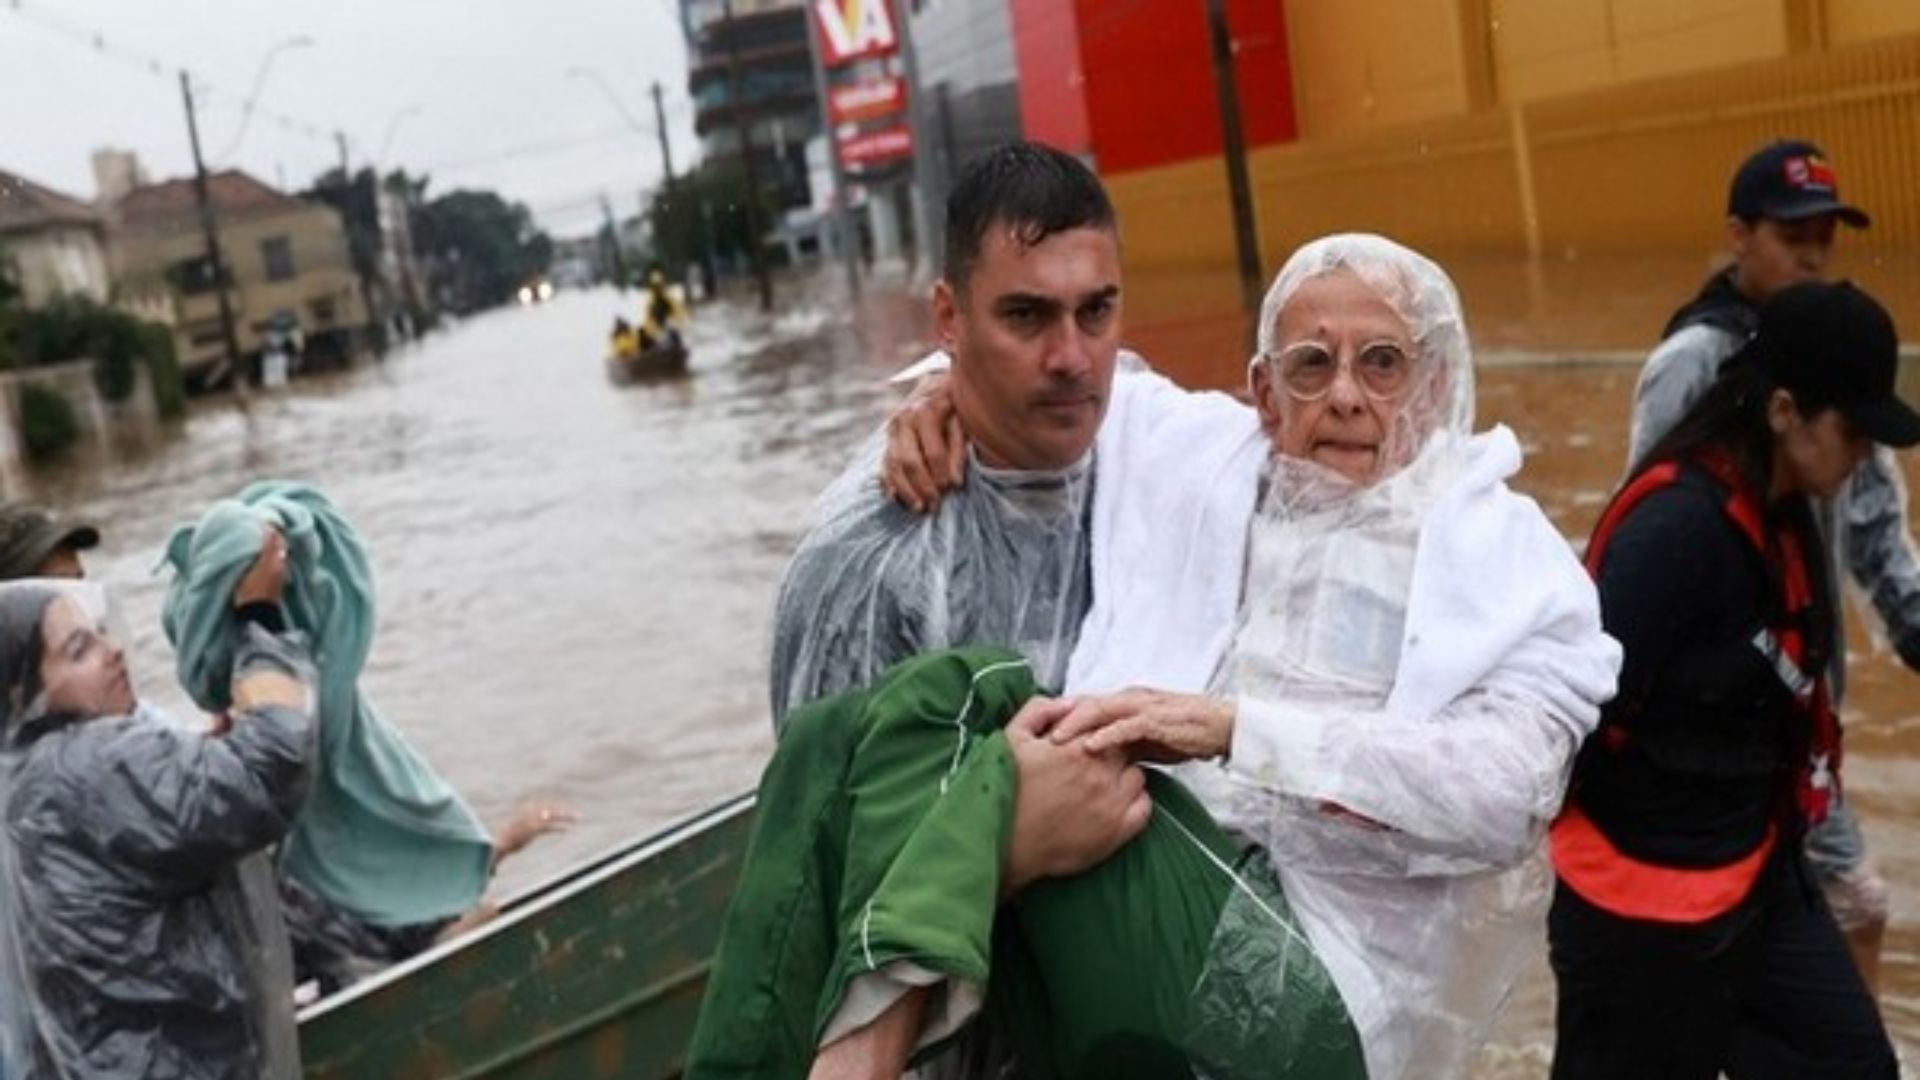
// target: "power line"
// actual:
[[100, 45], [531, 150]]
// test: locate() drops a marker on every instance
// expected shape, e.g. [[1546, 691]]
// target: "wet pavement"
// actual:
[[575, 579]]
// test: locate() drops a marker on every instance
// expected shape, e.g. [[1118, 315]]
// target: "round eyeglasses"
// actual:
[[1308, 369]]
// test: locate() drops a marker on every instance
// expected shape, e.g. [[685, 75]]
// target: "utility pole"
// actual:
[[660, 125], [743, 130], [357, 254], [846, 239], [1233, 148], [924, 181], [210, 228], [617, 259]]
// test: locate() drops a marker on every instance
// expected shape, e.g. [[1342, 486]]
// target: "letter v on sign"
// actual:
[[854, 28]]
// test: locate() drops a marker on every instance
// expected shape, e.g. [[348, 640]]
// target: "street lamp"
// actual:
[[298, 41]]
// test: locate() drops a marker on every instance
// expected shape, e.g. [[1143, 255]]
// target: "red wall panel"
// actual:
[[1046, 49], [1144, 95]]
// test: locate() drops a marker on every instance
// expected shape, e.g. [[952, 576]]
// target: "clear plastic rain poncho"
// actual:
[[1416, 661], [1002, 561], [139, 928]]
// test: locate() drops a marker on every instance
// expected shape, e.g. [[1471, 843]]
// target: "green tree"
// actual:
[[47, 422], [708, 205], [75, 328], [482, 247]]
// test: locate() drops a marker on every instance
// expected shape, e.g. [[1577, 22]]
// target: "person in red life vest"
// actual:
[[1688, 936]]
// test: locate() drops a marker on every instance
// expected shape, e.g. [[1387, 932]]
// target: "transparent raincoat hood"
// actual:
[[139, 930]]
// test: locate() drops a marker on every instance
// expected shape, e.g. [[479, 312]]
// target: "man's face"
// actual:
[[1770, 255], [1033, 333]]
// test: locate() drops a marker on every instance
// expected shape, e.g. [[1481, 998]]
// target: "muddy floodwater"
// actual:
[[575, 579]]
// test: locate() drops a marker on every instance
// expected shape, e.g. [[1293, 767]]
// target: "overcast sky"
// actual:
[[479, 88]]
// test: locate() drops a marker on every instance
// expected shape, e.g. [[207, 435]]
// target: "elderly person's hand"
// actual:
[[926, 450], [1150, 725], [1073, 809]]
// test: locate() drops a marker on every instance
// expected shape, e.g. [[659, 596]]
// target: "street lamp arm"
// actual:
[[300, 41], [393, 128]]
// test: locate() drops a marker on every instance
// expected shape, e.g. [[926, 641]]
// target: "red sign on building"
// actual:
[[867, 100], [854, 29], [866, 149]]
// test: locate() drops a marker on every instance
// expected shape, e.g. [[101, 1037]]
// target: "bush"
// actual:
[[47, 423], [119, 344], [163, 370]]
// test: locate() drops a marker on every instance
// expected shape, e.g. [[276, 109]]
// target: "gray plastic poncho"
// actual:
[[1003, 561], [139, 929]]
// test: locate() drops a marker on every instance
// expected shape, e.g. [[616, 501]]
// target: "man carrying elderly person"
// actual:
[[1381, 741]]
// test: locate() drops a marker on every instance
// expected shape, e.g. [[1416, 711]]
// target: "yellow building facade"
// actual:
[[1559, 128]]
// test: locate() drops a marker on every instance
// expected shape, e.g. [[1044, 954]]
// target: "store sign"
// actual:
[[853, 29], [867, 100], [867, 149]]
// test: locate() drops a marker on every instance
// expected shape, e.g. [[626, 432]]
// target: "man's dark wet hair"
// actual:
[[1035, 189]]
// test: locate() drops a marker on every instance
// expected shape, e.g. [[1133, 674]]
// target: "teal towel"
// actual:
[[382, 836]]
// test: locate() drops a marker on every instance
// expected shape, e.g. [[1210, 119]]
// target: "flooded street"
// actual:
[[575, 579]]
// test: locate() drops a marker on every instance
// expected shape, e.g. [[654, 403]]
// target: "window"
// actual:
[[277, 253], [323, 312], [192, 277]]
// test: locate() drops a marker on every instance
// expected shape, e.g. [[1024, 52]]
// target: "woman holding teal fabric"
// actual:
[[138, 931]]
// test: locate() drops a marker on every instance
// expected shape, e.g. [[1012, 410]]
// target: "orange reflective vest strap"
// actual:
[[1645, 484], [1589, 864]]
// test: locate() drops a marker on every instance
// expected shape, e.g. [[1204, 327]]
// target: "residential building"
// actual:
[[287, 260], [51, 245]]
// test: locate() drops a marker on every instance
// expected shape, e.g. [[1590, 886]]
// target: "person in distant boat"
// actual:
[[663, 315], [624, 342]]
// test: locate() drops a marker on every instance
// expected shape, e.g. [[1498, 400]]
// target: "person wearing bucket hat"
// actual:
[[35, 543], [1685, 935], [1784, 206]]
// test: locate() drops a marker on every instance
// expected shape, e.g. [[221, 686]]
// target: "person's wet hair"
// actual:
[[1036, 190]]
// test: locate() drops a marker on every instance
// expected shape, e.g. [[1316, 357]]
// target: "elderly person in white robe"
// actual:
[[1415, 661]]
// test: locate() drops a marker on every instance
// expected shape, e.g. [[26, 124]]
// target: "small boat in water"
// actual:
[[661, 360], [594, 974]]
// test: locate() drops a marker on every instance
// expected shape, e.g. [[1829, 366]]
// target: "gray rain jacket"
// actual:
[[1003, 561], [141, 934]]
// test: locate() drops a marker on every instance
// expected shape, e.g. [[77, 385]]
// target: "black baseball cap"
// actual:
[[1790, 180], [1836, 345], [28, 534]]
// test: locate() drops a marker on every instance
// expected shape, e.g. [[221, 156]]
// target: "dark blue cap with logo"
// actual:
[[1789, 180]]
